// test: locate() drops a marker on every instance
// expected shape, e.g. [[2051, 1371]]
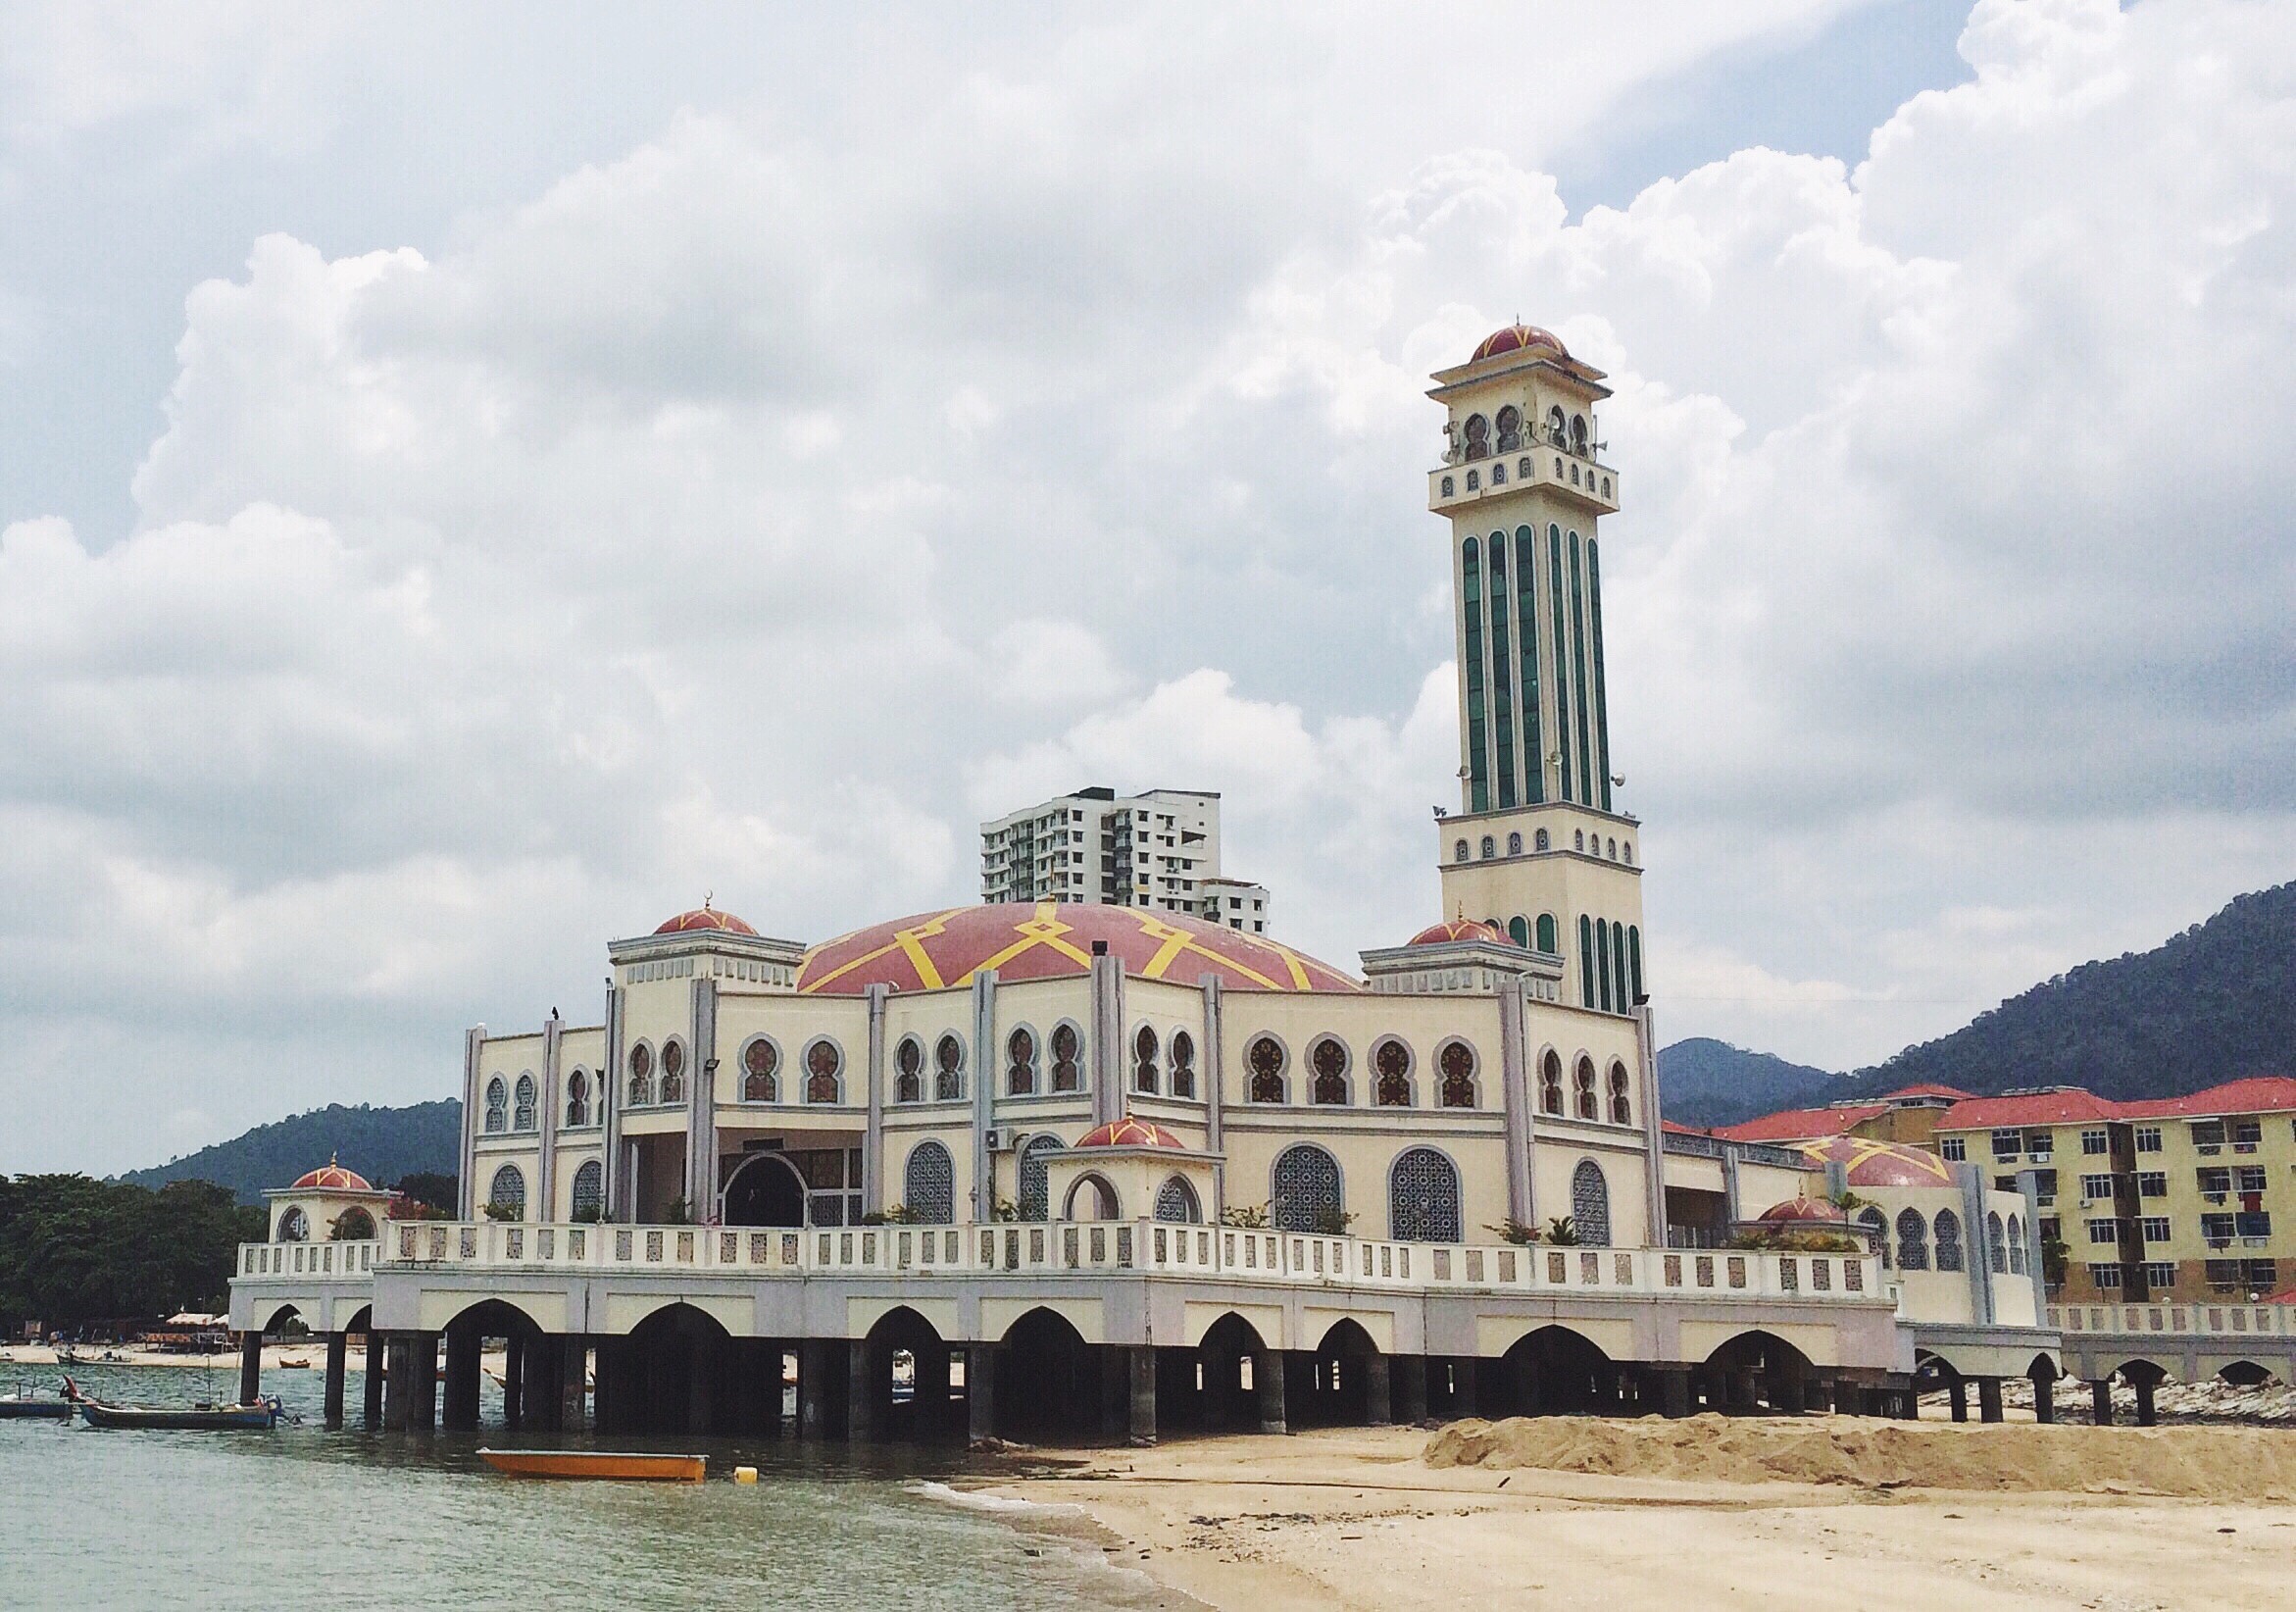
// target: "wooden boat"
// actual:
[[200, 1418], [23, 1407], [612, 1464]]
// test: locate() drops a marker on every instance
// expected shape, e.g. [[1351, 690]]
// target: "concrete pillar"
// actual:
[[338, 1360], [1521, 1376], [2101, 1397], [1989, 1398], [1411, 1372], [1957, 1393], [701, 1386], [574, 1380], [540, 1402], [1785, 1392], [1674, 1391], [462, 1380], [250, 1367], [1143, 1394], [514, 1382], [1463, 1386], [2044, 1399], [399, 1355], [1376, 1392], [1268, 1382], [1743, 1395], [370, 1383], [422, 1381], [981, 1390], [1114, 1391], [861, 1397], [815, 1398], [2145, 1416]]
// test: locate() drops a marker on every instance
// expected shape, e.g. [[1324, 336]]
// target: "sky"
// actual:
[[474, 480]]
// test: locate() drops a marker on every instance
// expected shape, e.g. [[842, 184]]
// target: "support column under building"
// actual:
[[1957, 1396], [980, 1391], [1674, 1391], [371, 1382], [861, 1397], [339, 1362], [250, 1367], [1377, 1394], [462, 1379], [1267, 1383], [1989, 1399], [422, 1381], [2100, 1399], [1411, 1370], [399, 1357], [2145, 1416], [1142, 1402]]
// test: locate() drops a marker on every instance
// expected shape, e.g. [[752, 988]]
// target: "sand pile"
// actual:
[[2224, 1462]]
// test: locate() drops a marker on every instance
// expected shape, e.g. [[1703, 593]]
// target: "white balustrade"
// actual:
[[2224, 1319]]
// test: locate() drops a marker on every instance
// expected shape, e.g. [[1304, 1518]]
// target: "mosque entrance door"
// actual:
[[764, 1192]]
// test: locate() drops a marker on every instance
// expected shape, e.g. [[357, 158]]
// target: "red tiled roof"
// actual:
[[1930, 1089], [2256, 1094], [1130, 1133], [1803, 1124]]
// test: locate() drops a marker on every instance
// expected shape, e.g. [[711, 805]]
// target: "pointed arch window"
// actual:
[[1391, 1062], [1145, 1071], [577, 1098], [1327, 1058], [1020, 1064], [1996, 1247], [641, 1075], [1550, 1085], [1183, 1065], [1263, 1065], [589, 1192], [1510, 428], [1478, 438], [909, 1071], [1590, 1205], [1875, 1221], [1912, 1241], [948, 1069], [928, 1185], [672, 1072], [1068, 1070], [825, 1066], [1455, 1063], [523, 1100], [2016, 1247], [1949, 1253], [294, 1227], [497, 1107], [506, 1195], [1622, 1108], [1036, 1177], [1423, 1198], [1582, 1089], [1176, 1202], [761, 1068]]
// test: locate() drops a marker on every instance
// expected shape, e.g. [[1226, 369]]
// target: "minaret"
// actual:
[[1537, 846]]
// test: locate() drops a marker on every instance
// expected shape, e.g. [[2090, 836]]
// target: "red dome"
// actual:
[[1453, 930], [1878, 1163], [1803, 1210], [705, 917], [1516, 338], [1130, 1133], [1050, 940], [332, 1176]]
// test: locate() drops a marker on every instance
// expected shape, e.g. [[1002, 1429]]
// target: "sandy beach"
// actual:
[[2175, 1518]]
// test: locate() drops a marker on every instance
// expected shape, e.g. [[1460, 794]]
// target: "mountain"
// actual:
[[2212, 1004], [1705, 1081], [383, 1144]]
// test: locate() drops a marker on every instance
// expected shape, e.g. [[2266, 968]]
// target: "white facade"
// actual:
[[1159, 850]]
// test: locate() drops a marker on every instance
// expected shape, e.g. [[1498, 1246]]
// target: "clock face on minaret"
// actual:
[[1538, 847]]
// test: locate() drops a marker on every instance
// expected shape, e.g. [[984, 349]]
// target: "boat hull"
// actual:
[[153, 1419], [597, 1464], [35, 1410]]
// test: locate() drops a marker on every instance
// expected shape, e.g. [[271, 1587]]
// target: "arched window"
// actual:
[[1519, 931], [507, 1194], [1590, 1205], [1550, 1083], [1627, 853], [1067, 1069], [1019, 1063], [1579, 839], [1515, 844], [1176, 1201], [1587, 996], [1948, 1240], [760, 1070], [948, 1069], [1523, 470], [497, 1107], [1621, 1110], [2016, 1247], [1327, 1058], [353, 1224], [1183, 1064], [1478, 438], [1035, 1179], [1606, 486], [1602, 959], [1498, 475], [1912, 1241], [1264, 1063], [1302, 1192], [672, 1072], [1996, 1247], [641, 1075], [1423, 1198], [294, 1227], [1555, 431], [1611, 849], [1490, 847], [1449, 490], [1510, 428], [1391, 1062], [1458, 851], [589, 1192], [928, 1185], [1546, 934], [1455, 1063], [1541, 841], [577, 1098], [1578, 434], [1582, 1089], [1873, 1220], [909, 1071], [1474, 480], [1144, 1069], [522, 1110], [823, 1064]]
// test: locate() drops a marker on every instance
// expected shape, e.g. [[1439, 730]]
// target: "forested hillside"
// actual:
[[383, 1144]]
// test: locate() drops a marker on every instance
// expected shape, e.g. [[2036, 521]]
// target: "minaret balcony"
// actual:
[[1580, 479]]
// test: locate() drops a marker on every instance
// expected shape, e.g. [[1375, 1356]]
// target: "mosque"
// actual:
[[1067, 1169]]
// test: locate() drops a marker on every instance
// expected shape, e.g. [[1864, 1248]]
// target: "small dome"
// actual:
[[1519, 339], [1130, 1133], [1454, 930], [705, 917], [332, 1176], [1802, 1211], [1874, 1163]]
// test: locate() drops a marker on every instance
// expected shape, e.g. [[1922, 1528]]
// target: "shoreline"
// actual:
[[1357, 1518], [276, 1357]]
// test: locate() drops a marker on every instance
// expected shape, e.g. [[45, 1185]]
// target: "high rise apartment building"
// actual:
[[1159, 850]]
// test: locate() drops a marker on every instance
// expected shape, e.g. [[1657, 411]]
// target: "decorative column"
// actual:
[[1654, 1140], [474, 1042], [546, 1166], [1515, 1101], [338, 1360], [701, 1109], [1107, 1035], [873, 1137], [988, 1062], [1976, 1245], [1215, 1086], [610, 1162]]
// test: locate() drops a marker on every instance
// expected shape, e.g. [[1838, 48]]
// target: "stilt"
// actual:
[[422, 1381], [462, 1380], [1520, 1372], [1411, 1370], [2101, 1397], [1957, 1394], [1143, 1396], [514, 1382], [398, 1402], [1268, 1382], [573, 1382], [338, 1360], [1116, 1377], [2044, 1398], [2145, 1416], [1463, 1375], [815, 1396], [371, 1382], [860, 1422], [980, 1391], [1674, 1391], [1376, 1392], [1989, 1399], [701, 1386], [250, 1367], [539, 1401]]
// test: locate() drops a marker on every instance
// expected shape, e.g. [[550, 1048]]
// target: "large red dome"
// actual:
[[1879, 1163], [332, 1176], [1517, 339], [1047, 939]]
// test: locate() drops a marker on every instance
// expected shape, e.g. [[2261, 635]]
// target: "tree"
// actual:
[[75, 1250], [427, 1187]]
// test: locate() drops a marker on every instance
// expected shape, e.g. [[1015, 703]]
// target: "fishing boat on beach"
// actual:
[[202, 1417], [597, 1464]]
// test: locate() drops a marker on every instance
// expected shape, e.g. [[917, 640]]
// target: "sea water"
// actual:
[[300, 1517]]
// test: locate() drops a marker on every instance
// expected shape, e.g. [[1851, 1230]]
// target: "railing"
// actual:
[[1232, 1253], [308, 1259], [2218, 1320]]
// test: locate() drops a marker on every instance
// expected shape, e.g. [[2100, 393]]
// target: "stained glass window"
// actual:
[[760, 1062], [1176, 1201], [1456, 1063], [1912, 1241], [1264, 1060], [1328, 1059], [672, 1072], [641, 1075], [928, 1189], [1391, 1059], [523, 1116], [1304, 1190], [589, 1192], [1036, 1180], [1948, 1240], [823, 1064], [1590, 1205], [1423, 1198], [497, 1106], [508, 1191]]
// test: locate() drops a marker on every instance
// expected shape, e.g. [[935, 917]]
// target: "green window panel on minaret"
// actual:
[[1470, 595], [1602, 963], [1579, 676], [1555, 596], [1634, 955], [1602, 703], [1501, 674], [1546, 932], [1585, 961], [1619, 966], [1534, 759]]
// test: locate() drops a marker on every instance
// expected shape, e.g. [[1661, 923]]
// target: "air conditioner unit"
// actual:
[[2213, 1197], [999, 1137], [2042, 1157]]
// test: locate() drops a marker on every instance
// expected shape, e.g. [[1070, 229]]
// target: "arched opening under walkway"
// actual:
[[1051, 1384], [765, 1191], [496, 1344], [1756, 1369], [905, 1373], [1343, 1384], [679, 1372], [1553, 1371]]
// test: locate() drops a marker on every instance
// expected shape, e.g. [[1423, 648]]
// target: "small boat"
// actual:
[[598, 1464], [199, 1418], [294, 1365], [25, 1407]]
